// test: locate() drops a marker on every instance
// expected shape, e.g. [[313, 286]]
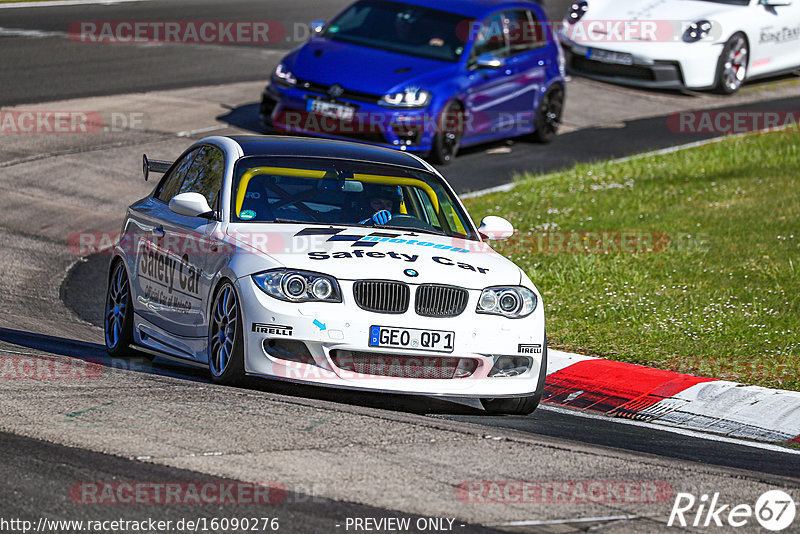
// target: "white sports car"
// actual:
[[675, 44], [328, 263]]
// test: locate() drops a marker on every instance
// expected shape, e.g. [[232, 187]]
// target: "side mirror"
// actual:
[[493, 227], [191, 205], [489, 61], [317, 26]]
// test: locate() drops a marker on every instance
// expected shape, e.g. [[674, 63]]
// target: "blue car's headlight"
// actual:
[[284, 75], [576, 11], [409, 98], [298, 286], [696, 31], [509, 301]]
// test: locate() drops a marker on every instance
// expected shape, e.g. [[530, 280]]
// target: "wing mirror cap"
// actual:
[[493, 227], [489, 61], [191, 205], [317, 26]]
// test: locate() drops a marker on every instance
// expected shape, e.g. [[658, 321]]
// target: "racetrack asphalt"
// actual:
[[396, 454]]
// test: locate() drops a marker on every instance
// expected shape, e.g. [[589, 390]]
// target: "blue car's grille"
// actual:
[[346, 95]]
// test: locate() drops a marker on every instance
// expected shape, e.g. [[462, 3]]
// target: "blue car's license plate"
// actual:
[[411, 338], [331, 109]]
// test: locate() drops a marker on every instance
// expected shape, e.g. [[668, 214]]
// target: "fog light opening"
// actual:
[[506, 366], [291, 351]]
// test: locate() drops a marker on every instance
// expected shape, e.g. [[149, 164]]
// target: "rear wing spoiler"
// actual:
[[154, 165]]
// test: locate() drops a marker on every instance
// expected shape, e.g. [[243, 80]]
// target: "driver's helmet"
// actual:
[[385, 197]]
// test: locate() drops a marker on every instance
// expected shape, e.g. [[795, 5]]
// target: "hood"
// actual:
[[670, 17], [327, 62], [354, 253]]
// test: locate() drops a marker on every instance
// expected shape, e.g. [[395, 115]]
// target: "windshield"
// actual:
[[332, 191], [403, 28]]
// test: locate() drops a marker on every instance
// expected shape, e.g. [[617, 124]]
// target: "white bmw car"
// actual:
[[676, 44], [327, 263]]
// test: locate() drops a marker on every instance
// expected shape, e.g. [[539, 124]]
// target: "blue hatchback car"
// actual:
[[424, 76]]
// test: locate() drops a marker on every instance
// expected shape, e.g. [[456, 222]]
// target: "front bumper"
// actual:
[[412, 130], [686, 66], [478, 338]]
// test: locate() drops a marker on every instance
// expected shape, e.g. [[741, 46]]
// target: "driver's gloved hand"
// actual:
[[381, 217]]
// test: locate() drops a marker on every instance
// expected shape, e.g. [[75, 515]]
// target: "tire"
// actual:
[[519, 405], [225, 337], [732, 64], [548, 117], [448, 135], [118, 313]]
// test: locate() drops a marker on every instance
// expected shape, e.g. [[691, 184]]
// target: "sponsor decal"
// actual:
[[272, 329], [770, 35], [529, 349], [373, 238], [170, 281], [411, 258]]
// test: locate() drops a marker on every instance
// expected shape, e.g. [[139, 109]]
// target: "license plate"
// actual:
[[609, 56], [411, 338], [331, 109]]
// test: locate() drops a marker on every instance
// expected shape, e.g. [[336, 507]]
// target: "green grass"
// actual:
[[719, 298]]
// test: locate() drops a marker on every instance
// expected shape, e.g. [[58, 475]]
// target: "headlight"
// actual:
[[513, 302], [298, 286], [284, 75], [409, 98], [696, 31], [576, 11]]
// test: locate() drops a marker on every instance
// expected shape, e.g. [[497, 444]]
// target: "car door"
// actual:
[[150, 281], [175, 255], [488, 89], [529, 56], [774, 36]]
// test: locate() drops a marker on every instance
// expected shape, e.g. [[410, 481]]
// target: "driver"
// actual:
[[383, 201]]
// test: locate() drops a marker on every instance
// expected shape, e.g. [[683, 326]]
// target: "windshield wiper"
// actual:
[[411, 229]]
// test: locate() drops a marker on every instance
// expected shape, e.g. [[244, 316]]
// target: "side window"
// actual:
[[491, 38], [524, 31], [171, 183], [205, 174]]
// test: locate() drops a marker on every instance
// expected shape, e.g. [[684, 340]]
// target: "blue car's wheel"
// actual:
[[448, 135], [225, 338], [548, 118], [118, 316]]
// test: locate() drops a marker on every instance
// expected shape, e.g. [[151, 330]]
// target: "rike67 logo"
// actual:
[[774, 510]]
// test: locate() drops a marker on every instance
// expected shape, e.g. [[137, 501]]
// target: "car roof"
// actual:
[[273, 145], [476, 9]]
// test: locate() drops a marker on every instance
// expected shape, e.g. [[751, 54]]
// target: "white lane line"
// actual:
[[60, 3], [673, 429], [189, 133], [535, 523], [20, 32], [504, 188]]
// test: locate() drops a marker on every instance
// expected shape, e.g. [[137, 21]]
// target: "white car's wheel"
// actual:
[[732, 65], [118, 316], [225, 338]]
